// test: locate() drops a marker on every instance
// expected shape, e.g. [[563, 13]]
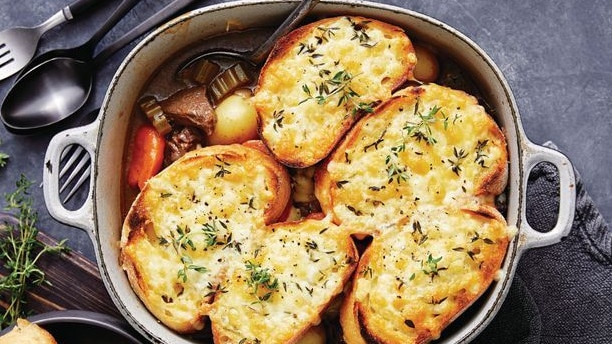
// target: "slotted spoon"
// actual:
[[18, 45]]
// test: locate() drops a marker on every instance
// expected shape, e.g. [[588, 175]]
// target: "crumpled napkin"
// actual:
[[561, 293]]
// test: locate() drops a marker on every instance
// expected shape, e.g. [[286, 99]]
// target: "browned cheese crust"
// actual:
[[420, 176], [199, 242], [318, 79]]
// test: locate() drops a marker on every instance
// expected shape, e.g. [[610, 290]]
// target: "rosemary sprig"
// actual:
[[20, 251]]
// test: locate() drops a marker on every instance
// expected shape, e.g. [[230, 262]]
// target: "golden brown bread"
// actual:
[[416, 278], [419, 175], [318, 79], [427, 146], [309, 262], [26, 332], [198, 242]]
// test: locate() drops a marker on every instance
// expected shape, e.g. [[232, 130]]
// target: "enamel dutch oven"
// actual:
[[104, 139]]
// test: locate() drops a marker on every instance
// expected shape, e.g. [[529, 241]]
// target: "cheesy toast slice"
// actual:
[[191, 225], [428, 146], [320, 77], [413, 281], [285, 285]]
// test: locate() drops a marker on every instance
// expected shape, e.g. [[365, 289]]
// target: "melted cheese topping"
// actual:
[[310, 263], [311, 90], [419, 175], [422, 273], [433, 147]]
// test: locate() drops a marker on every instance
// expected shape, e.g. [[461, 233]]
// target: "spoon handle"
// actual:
[[122, 10], [78, 7], [292, 20], [151, 22]]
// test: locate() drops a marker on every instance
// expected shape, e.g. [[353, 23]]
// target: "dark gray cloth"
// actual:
[[561, 293]]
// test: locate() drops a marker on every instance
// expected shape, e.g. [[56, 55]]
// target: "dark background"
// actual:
[[556, 56]]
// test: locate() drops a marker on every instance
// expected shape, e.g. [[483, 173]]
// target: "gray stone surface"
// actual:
[[556, 56]]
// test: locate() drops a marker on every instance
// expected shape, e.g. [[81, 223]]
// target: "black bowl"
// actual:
[[76, 326]]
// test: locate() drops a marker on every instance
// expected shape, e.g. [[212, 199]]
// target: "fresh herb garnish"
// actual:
[[455, 163], [337, 84], [431, 266], [222, 168], [188, 265], [20, 251], [421, 129], [261, 281], [3, 158], [480, 154]]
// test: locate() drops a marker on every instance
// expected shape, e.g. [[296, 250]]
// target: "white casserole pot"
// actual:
[[104, 139]]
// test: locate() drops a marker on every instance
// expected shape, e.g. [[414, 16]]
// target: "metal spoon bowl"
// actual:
[[256, 57]]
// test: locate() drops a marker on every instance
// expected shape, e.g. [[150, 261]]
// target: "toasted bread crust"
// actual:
[[320, 76], [407, 289], [25, 332]]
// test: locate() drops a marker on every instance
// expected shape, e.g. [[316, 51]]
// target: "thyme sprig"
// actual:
[[20, 251], [421, 129], [480, 153], [3, 158], [337, 84], [431, 267], [260, 280], [459, 156], [222, 165]]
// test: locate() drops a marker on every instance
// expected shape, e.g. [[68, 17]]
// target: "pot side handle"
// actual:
[[82, 217], [532, 155]]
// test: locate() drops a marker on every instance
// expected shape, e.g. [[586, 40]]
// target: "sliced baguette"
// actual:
[[25, 332], [420, 175], [308, 262], [413, 281], [382, 170], [318, 79]]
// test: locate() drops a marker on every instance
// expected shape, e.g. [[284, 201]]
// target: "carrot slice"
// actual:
[[147, 156]]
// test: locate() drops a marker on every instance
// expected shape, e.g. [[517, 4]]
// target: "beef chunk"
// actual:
[[181, 141], [190, 107]]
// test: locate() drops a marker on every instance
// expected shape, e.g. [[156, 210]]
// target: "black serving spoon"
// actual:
[[56, 84]]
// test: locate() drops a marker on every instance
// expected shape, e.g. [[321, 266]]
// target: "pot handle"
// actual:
[[532, 155], [82, 217]]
